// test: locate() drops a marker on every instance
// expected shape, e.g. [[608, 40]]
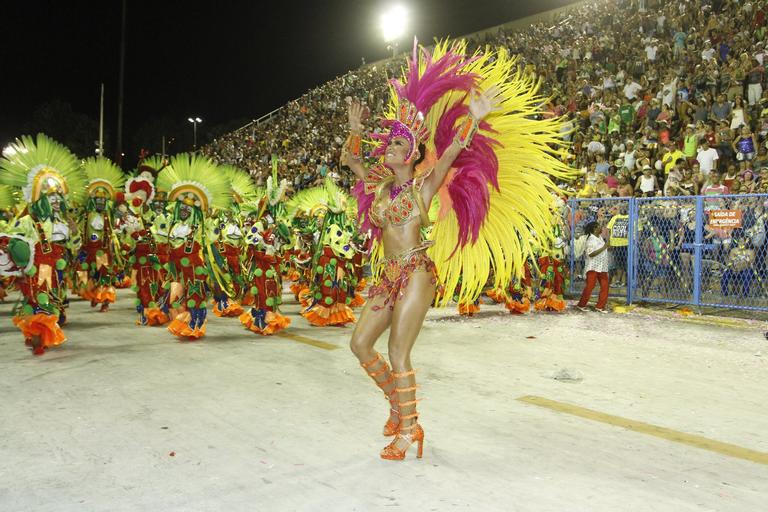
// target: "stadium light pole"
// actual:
[[195, 121], [393, 22]]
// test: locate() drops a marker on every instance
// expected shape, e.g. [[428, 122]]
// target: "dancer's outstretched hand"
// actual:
[[483, 103], [355, 113]]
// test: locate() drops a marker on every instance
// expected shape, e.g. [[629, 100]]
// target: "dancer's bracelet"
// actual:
[[466, 131], [355, 146]]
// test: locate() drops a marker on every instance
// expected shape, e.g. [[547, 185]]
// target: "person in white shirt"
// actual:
[[708, 53], [595, 147], [707, 157], [620, 77], [760, 53], [630, 156], [595, 268], [650, 52], [669, 91], [632, 89]]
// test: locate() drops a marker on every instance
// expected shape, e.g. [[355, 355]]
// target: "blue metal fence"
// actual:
[[700, 250]]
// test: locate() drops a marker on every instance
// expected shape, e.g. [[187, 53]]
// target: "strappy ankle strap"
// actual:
[[373, 361], [379, 372], [409, 403], [404, 374]]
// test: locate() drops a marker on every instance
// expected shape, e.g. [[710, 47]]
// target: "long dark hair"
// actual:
[[422, 154]]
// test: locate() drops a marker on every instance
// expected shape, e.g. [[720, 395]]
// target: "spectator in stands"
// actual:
[[755, 82], [707, 157], [674, 178], [721, 110], [611, 180], [730, 176], [745, 146], [601, 166], [625, 187], [739, 266], [749, 185], [647, 184], [690, 144], [688, 185], [739, 114], [715, 186]]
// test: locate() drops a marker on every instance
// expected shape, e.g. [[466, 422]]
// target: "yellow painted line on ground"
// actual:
[[716, 321], [308, 341], [702, 319], [703, 443]]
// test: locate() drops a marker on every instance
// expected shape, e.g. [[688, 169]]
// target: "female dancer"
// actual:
[[431, 122]]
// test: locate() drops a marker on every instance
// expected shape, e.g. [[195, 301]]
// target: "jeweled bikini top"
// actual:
[[400, 205]]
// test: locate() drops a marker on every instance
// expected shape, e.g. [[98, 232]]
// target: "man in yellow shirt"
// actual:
[[669, 159], [618, 240]]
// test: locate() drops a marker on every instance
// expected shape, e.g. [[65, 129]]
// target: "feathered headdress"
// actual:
[[196, 181], [243, 190], [7, 199], [105, 179], [427, 79], [412, 113], [327, 197], [40, 166]]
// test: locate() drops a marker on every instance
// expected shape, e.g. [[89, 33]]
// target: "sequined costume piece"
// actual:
[[396, 272]]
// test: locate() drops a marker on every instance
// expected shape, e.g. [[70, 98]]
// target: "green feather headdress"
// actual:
[[104, 177], [196, 181], [7, 199], [41, 165], [153, 164], [242, 187]]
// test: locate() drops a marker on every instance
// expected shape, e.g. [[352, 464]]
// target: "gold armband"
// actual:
[[466, 131]]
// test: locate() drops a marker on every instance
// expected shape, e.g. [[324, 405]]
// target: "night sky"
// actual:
[[225, 62]]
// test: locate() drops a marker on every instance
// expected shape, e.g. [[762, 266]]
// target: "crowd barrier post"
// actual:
[[572, 251], [699, 245], [631, 251]]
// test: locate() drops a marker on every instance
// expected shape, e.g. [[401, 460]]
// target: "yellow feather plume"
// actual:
[[521, 207]]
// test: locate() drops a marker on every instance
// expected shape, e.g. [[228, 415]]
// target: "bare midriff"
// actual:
[[399, 239]]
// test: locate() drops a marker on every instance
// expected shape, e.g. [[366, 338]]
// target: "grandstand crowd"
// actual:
[[660, 98]]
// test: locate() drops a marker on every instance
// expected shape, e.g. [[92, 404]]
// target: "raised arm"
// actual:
[[351, 154], [480, 105]]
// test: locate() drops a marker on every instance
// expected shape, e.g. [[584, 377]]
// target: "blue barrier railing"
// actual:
[[697, 250]]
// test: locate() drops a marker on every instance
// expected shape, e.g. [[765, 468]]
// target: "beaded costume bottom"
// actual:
[[396, 273]]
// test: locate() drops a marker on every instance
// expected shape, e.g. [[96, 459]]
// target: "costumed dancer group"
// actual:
[[454, 199], [185, 234]]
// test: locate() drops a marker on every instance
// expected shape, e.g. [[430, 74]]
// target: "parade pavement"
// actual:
[[545, 412]]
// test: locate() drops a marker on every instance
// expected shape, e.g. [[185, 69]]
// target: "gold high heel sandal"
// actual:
[[409, 434], [391, 427]]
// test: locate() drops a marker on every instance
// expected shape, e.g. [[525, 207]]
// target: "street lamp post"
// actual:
[[195, 121], [393, 22], [393, 46]]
